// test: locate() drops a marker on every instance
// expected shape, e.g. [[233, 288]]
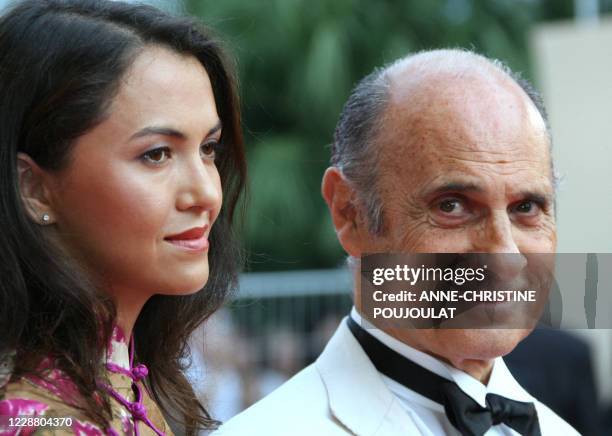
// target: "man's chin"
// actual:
[[498, 316], [479, 344]]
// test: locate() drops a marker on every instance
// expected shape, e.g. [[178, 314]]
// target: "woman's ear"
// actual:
[[34, 192], [340, 199]]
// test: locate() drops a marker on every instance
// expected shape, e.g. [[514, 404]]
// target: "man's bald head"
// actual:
[[454, 149], [419, 85]]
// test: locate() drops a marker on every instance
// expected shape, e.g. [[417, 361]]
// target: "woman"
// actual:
[[119, 131]]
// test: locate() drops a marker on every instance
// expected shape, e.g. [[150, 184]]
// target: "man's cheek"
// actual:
[[452, 241], [542, 239], [419, 236]]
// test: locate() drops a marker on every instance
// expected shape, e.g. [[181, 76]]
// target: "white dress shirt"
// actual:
[[429, 416]]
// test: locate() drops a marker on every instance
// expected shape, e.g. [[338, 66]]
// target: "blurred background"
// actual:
[[297, 61]]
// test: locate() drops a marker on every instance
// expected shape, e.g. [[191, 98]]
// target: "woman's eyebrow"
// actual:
[[169, 131], [215, 128]]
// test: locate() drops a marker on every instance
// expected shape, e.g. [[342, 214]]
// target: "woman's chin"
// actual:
[[189, 278], [185, 284], [190, 287]]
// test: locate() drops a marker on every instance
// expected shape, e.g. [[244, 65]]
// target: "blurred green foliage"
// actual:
[[297, 62]]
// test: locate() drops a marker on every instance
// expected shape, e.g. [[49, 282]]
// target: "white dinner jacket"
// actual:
[[342, 393]]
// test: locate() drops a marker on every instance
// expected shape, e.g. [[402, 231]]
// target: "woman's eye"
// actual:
[[157, 156], [208, 149]]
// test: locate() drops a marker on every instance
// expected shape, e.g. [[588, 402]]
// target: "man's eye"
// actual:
[[208, 149], [157, 156], [451, 206], [527, 207]]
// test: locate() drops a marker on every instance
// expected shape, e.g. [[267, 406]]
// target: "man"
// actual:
[[440, 152]]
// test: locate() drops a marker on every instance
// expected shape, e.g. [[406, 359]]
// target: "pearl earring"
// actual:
[[46, 218]]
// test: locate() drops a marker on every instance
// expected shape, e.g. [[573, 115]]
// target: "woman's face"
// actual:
[[143, 176]]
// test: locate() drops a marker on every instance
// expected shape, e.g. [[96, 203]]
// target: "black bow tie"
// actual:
[[470, 418], [466, 415]]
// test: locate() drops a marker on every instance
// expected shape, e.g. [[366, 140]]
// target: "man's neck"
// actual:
[[480, 369]]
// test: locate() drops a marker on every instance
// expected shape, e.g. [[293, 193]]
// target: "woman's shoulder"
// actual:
[[49, 386], [24, 397], [29, 407]]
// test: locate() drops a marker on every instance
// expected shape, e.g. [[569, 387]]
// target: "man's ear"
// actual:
[[34, 192], [340, 198]]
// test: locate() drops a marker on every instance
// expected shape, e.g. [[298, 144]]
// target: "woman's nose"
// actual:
[[200, 187]]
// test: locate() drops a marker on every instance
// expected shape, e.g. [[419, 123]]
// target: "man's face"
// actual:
[[465, 167]]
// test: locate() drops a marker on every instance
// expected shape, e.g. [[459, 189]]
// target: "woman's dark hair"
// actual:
[[61, 62]]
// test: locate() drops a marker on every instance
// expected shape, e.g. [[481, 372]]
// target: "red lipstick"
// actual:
[[194, 239]]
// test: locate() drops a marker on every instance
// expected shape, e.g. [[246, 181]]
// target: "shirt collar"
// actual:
[[118, 350], [501, 381]]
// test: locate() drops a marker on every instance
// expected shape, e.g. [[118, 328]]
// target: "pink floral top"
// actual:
[[33, 406]]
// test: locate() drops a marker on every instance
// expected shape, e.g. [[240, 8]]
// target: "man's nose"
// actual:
[[199, 187], [496, 235], [506, 261]]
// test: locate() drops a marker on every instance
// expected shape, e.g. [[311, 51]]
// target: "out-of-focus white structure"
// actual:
[[574, 65]]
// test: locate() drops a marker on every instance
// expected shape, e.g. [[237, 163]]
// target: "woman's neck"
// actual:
[[128, 309]]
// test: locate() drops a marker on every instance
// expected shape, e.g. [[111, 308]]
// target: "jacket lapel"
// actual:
[[358, 397]]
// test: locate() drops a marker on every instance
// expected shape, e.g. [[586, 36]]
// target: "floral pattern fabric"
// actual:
[[34, 406]]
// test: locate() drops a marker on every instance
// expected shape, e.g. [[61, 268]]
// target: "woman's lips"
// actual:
[[194, 239]]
